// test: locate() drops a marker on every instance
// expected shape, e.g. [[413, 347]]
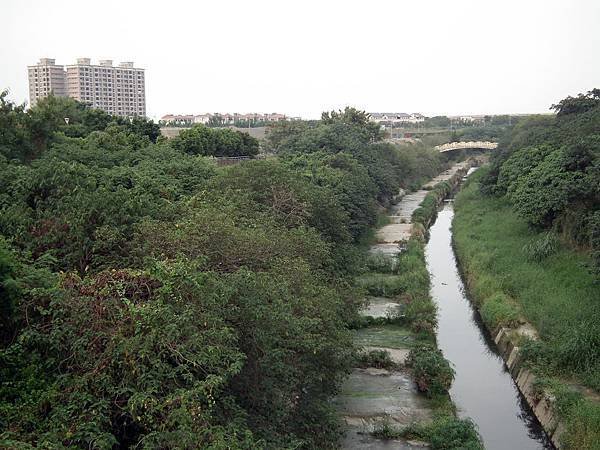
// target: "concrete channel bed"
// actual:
[[372, 395]]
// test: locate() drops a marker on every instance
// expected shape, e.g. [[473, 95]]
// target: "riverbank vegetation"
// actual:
[[539, 201], [151, 297], [558, 295]]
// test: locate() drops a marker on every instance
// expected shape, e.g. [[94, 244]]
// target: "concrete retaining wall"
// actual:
[[542, 404]]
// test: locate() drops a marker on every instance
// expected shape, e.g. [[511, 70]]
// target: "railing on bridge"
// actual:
[[450, 146]]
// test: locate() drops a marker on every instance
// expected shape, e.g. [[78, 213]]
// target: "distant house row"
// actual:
[[469, 119], [225, 119], [397, 117]]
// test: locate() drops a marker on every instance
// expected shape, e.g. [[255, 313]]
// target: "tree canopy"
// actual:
[[205, 141]]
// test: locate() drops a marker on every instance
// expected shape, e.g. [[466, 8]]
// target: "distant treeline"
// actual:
[[151, 298]]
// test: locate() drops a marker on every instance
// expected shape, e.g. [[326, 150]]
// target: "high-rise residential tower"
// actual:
[[118, 90], [46, 77]]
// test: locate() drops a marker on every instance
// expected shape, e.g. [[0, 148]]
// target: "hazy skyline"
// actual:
[[300, 58]]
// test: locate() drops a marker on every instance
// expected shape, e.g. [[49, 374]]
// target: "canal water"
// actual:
[[483, 389]]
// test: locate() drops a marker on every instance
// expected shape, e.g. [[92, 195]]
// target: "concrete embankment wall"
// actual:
[[542, 404]]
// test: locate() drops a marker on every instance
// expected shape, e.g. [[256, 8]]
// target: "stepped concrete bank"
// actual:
[[370, 394]]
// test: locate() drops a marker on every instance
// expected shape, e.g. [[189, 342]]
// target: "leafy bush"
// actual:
[[427, 210], [431, 371], [9, 290], [454, 433], [133, 351]]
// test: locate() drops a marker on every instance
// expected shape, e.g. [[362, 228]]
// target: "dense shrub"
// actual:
[[431, 371], [9, 290], [137, 357]]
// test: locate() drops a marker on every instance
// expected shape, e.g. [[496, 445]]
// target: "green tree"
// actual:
[[205, 141]]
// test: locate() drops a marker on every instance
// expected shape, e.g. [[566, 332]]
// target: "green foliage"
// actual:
[[15, 130], [380, 263], [492, 131], [9, 290], [421, 314], [431, 371], [150, 297], [139, 359], [205, 141], [549, 168], [580, 104], [582, 423], [25, 135], [580, 416]]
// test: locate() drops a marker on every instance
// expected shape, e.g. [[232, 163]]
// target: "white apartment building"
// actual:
[[46, 77], [223, 118], [396, 118], [118, 90]]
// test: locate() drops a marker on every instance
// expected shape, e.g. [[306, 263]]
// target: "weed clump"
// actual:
[[542, 247], [444, 433], [421, 315], [431, 371], [499, 311], [379, 359]]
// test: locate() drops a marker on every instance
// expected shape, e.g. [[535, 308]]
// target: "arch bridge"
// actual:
[[472, 145]]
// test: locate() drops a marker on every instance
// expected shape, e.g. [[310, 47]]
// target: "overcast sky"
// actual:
[[303, 57]]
